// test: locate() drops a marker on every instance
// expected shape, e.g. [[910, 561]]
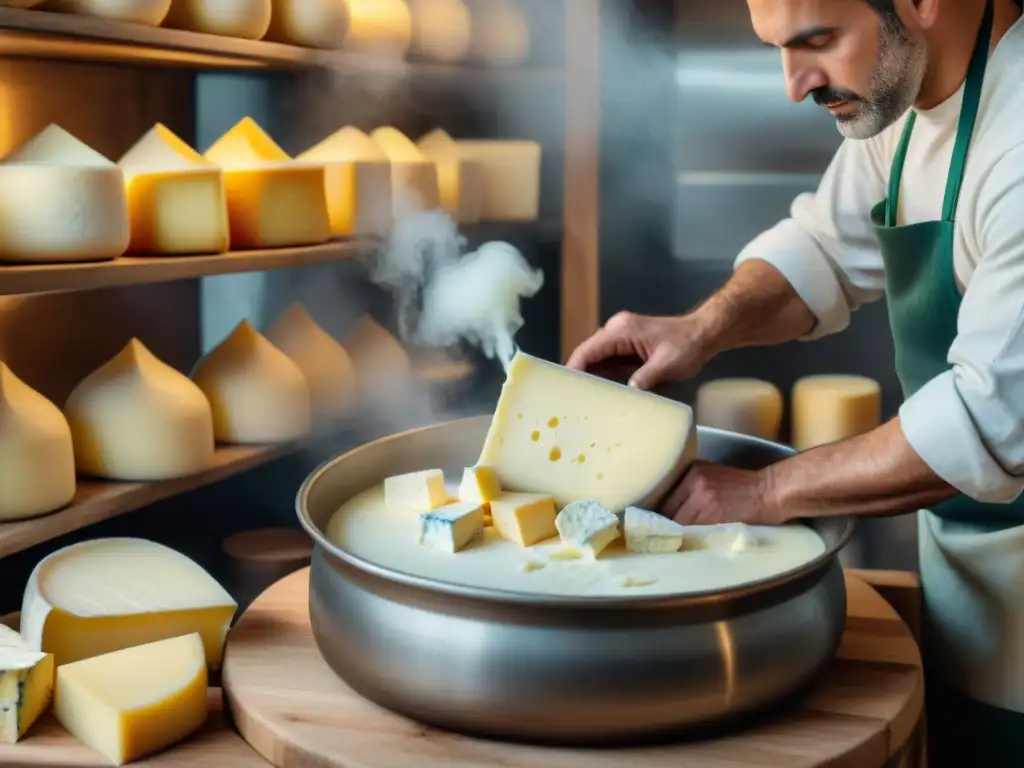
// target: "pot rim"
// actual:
[[639, 602]]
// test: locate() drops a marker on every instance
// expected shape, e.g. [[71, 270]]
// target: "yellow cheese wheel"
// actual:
[[148, 12], [501, 36], [748, 406], [244, 19], [833, 407], [379, 25], [441, 29], [309, 23]]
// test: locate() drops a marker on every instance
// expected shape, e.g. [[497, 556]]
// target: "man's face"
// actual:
[[865, 70]]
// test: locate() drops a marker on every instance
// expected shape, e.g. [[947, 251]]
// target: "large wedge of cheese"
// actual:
[[135, 418], [358, 182], [132, 703], [103, 595], [379, 26], [460, 179], [257, 393], [26, 685], [501, 35], [148, 12], [511, 177], [414, 183], [748, 406], [833, 407], [273, 201], [328, 369], [576, 436], [176, 198], [381, 361], [441, 29], [37, 458], [61, 201], [309, 23], [245, 19]]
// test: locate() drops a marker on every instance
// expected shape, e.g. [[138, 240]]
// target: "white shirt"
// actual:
[[967, 424]]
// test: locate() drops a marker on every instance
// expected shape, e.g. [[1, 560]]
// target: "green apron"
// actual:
[[924, 303]]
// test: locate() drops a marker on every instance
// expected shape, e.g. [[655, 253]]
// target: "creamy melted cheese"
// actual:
[[366, 528]]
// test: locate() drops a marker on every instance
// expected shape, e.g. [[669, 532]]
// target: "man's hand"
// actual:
[[711, 493]]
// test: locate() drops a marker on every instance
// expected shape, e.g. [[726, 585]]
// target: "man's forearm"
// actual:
[[876, 473]]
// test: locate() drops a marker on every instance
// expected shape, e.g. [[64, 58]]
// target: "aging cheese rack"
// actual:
[[59, 321]]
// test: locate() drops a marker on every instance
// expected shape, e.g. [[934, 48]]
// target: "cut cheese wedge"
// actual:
[[176, 198], [577, 436], [460, 179], [148, 12], [26, 685], [135, 702], [441, 29], [358, 182], [511, 177], [501, 35], [381, 361], [244, 19], [61, 201], [257, 393], [748, 406], [135, 418], [103, 595], [37, 457], [328, 369], [379, 26], [414, 182], [831, 408], [273, 201]]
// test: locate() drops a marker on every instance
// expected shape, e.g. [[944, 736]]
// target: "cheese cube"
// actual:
[[511, 177], [421, 491], [103, 595], [734, 538], [26, 685], [651, 533], [460, 179], [312, 25], [827, 409], [414, 185], [576, 436], [273, 201], [131, 703], [525, 518], [243, 19], [479, 485], [587, 527], [176, 198], [748, 406], [451, 527]]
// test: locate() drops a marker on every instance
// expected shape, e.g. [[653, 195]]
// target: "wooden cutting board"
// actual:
[[865, 713]]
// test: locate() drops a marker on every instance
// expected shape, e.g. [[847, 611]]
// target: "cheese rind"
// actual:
[[103, 595], [414, 184], [587, 527], [525, 518], [451, 527], [243, 19], [748, 406], [648, 532], [826, 409], [576, 436], [26, 685], [148, 12], [511, 177], [312, 25], [460, 179], [131, 703], [420, 491], [380, 26]]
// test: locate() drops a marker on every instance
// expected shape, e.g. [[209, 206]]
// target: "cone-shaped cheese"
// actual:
[[136, 418], [317, 24], [831, 408], [176, 198], [37, 460], [379, 25], [748, 406], [413, 177], [501, 36], [358, 182], [379, 358], [511, 177], [273, 201], [61, 201], [257, 393], [26, 685], [441, 29], [460, 180], [245, 19], [148, 12], [329, 371]]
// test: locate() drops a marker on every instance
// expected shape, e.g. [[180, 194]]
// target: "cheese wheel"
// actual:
[[176, 198], [748, 406], [460, 180], [244, 19], [511, 177], [329, 371], [273, 201], [309, 23], [441, 29], [148, 12], [834, 407], [257, 393], [37, 458], [135, 418], [501, 36], [379, 26], [357, 178], [60, 200], [381, 362], [414, 181]]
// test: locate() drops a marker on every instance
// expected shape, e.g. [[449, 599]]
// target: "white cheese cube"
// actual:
[[451, 527], [587, 527], [419, 491], [734, 538], [26, 685], [651, 533]]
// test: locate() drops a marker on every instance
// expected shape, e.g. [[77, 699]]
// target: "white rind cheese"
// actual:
[[826, 409], [420, 491], [26, 685], [587, 527], [148, 12], [319, 24], [650, 533], [748, 406], [243, 19], [451, 527]]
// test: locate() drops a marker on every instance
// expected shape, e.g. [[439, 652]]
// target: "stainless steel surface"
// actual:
[[550, 669]]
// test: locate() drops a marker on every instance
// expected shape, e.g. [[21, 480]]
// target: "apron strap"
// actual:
[[896, 174]]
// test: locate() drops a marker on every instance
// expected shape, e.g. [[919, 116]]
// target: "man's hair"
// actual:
[[887, 9]]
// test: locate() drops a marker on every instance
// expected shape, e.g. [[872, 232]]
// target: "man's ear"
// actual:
[[918, 14]]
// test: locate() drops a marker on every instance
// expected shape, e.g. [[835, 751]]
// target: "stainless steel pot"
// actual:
[[552, 669]]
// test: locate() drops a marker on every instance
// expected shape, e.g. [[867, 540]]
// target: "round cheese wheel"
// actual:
[[244, 19], [379, 25], [748, 406], [329, 371], [441, 29], [61, 201], [257, 393], [833, 407], [37, 458], [309, 23], [501, 36], [135, 418], [148, 12]]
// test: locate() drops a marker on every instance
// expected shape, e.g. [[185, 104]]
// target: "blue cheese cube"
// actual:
[[451, 527], [587, 527], [26, 685], [650, 533]]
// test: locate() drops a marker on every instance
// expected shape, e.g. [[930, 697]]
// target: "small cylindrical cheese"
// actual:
[[748, 406], [833, 407], [441, 29], [148, 12], [309, 23], [244, 19]]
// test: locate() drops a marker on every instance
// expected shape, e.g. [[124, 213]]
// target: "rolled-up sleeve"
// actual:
[[827, 249], [967, 424]]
